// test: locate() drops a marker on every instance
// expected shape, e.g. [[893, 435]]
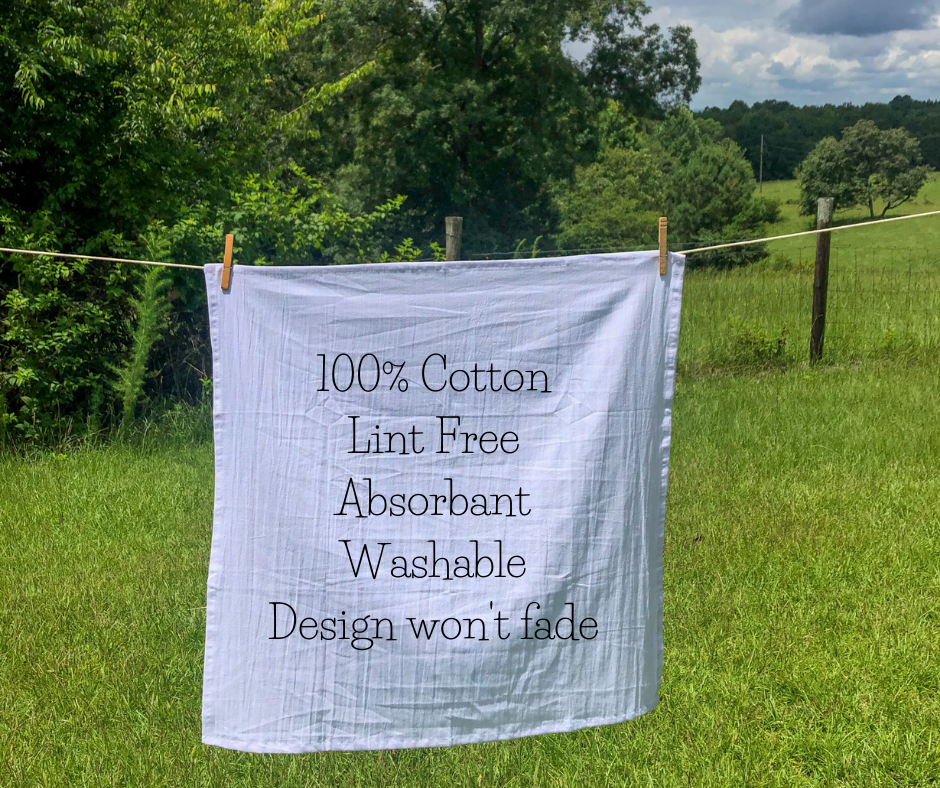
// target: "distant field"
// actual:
[[896, 244], [884, 293]]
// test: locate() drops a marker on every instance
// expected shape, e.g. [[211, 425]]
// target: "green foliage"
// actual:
[[617, 128], [151, 307], [120, 113], [885, 165], [711, 185], [407, 252], [298, 125], [866, 165], [532, 252], [614, 202], [750, 346], [474, 106], [680, 168], [120, 116], [60, 322], [289, 218], [636, 65], [825, 173]]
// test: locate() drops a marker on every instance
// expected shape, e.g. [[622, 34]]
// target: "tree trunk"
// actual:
[[478, 43]]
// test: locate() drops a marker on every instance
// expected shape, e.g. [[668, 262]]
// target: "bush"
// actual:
[[751, 347], [680, 168], [59, 324]]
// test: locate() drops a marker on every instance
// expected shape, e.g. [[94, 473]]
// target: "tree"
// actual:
[[865, 166], [886, 165], [637, 66], [679, 167], [711, 189], [474, 105], [299, 124], [124, 115], [613, 202], [825, 173], [119, 113]]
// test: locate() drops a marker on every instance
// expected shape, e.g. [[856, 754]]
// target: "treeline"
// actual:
[[791, 132]]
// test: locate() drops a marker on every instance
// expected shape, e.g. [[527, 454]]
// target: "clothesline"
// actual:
[[810, 232], [687, 251], [100, 259], [742, 242]]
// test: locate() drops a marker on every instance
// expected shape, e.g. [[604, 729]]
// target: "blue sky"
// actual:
[[811, 51]]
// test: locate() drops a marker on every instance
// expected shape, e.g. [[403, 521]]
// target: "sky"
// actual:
[[811, 51]]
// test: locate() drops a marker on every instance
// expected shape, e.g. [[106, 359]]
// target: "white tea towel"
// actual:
[[439, 503]]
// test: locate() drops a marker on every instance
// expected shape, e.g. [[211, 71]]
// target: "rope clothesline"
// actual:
[[99, 259], [685, 252], [809, 232], [741, 242]]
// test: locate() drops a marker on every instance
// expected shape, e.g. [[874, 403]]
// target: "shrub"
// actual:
[[751, 346]]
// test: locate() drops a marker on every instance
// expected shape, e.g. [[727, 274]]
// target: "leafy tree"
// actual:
[[825, 173], [474, 105], [885, 165], [294, 123], [289, 218], [637, 66], [123, 114], [711, 190], [58, 327], [617, 128], [681, 168], [614, 202], [119, 113], [865, 166]]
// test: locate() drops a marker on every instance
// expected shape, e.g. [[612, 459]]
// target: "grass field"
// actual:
[[802, 566], [910, 242], [802, 609], [884, 293]]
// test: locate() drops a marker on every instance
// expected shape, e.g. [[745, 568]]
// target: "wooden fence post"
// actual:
[[453, 235], [821, 279]]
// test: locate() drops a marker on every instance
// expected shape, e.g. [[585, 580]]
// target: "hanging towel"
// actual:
[[439, 500]]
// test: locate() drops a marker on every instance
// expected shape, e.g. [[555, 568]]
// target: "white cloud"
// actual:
[[748, 52]]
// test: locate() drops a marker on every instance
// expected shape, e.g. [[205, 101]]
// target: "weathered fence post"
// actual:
[[821, 279], [453, 235]]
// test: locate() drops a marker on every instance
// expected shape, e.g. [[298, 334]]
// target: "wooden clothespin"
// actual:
[[663, 253], [227, 262]]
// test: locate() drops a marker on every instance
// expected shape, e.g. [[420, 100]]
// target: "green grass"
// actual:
[[801, 567], [760, 317], [909, 242], [802, 609], [884, 293]]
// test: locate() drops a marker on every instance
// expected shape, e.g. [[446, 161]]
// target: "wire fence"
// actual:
[[881, 302]]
